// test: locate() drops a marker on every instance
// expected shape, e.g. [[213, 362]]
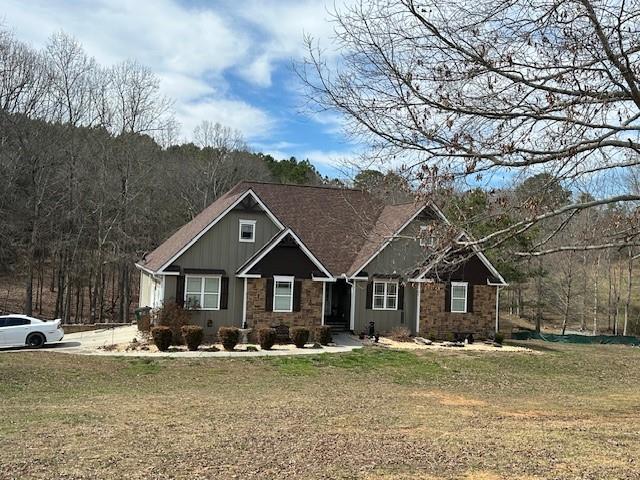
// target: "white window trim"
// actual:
[[186, 280], [291, 280], [384, 296], [466, 296], [253, 225], [426, 241]]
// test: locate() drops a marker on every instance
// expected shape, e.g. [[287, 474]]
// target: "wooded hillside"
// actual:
[[93, 178]]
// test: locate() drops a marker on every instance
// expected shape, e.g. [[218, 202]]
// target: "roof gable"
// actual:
[[392, 220], [186, 236], [290, 255]]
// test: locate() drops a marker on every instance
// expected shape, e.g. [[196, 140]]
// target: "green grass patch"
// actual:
[[143, 366], [402, 366]]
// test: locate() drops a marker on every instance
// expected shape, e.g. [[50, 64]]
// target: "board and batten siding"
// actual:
[[221, 249], [146, 290], [400, 258], [385, 320]]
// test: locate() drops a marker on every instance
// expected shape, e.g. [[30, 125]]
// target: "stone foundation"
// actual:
[[434, 320], [310, 314]]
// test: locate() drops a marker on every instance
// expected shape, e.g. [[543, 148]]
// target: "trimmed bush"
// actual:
[[323, 335], [267, 338], [172, 316], [229, 337], [162, 337], [499, 338], [192, 335], [300, 336]]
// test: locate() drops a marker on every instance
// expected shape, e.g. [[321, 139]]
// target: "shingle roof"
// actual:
[[391, 219], [340, 226], [176, 242]]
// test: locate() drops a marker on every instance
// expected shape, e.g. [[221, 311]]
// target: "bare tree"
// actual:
[[72, 76], [137, 106], [462, 90]]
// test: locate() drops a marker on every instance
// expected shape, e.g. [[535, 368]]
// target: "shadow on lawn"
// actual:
[[48, 346]]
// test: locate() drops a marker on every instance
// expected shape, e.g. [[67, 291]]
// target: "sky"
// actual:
[[219, 60]]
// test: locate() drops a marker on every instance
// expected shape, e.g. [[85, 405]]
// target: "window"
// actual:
[[426, 238], [247, 231], [459, 297], [385, 295], [13, 322], [202, 293], [283, 294]]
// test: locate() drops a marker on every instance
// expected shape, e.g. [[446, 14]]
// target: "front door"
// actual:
[[337, 304]]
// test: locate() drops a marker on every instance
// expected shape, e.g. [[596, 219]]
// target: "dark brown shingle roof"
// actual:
[[340, 226], [391, 219]]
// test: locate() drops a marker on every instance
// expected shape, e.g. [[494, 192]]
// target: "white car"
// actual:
[[22, 330]]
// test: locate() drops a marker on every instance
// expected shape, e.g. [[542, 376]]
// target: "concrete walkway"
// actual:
[[89, 343]]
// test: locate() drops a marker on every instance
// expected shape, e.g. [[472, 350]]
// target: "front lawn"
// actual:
[[570, 412]]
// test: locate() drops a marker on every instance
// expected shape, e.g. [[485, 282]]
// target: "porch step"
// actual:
[[337, 327]]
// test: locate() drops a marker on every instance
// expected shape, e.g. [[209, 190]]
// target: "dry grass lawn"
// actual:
[[573, 412]]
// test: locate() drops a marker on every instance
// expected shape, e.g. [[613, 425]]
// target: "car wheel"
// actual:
[[35, 340]]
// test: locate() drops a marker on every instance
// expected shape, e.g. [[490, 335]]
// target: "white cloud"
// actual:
[[190, 48], [251, 121]]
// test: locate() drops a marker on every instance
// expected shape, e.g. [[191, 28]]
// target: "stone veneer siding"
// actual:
[[310, 314], [434, 320]]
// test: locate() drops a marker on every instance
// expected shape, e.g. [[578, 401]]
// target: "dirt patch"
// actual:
[[449, 399], [474, 347]]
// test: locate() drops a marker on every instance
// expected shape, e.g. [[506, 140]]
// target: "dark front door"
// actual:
[[337, 304]]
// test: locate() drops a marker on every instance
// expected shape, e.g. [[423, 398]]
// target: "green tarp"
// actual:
[[549, 337]]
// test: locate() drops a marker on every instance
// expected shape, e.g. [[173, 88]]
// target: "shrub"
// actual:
[[432, 335], [144, 322], [192, 335], [323, 335], [401, 334], [229, 337], [162, 337], [175, 317], [267, 338], [300, 336], [499, 338]]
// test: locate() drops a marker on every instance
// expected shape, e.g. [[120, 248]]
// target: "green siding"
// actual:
[[385, 320], [220, 248], [401, 257]]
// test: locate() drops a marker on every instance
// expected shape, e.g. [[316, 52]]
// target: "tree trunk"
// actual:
[[539, 297], [595, 296], [567, 298], [609, 298], [627, 304]]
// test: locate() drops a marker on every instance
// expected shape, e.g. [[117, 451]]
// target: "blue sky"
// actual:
[[225, 61]]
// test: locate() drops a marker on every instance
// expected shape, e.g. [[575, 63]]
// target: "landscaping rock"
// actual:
[[422, 341]]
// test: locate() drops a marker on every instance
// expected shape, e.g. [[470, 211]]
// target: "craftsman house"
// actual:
[[269, 254]]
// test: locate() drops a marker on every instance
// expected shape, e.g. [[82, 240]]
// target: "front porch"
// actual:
[[337, 305]]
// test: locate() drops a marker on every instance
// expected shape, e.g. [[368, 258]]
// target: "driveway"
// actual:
[[88, 343]]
